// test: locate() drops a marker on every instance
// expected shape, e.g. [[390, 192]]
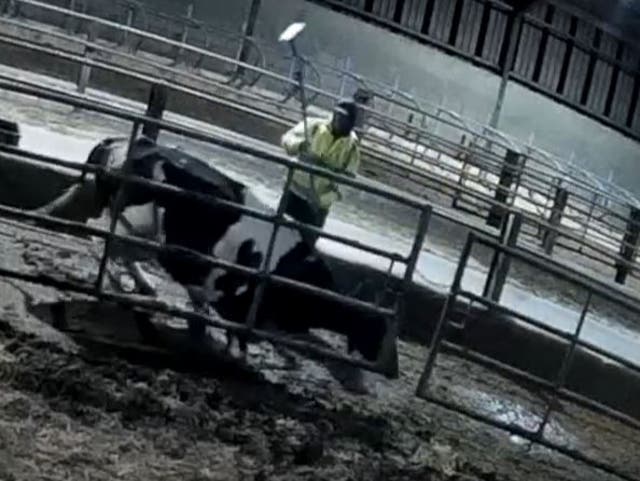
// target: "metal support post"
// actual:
[[438, 334], [184, 36], [116, 209], [594, 201], [84, 76], [507, 60], [363, 99], [629, 246], [70, 20], [129, 23], [550, 234], [389, 358], [248, 29], [263, 277], [344, 78], [564, 369], [511, 170], [493, 266], [13, 9], [155, 108], [499, 276]]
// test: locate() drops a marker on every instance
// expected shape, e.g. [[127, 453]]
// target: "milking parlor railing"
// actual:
[[603, 218]]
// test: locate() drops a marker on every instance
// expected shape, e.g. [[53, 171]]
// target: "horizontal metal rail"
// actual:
[[19, 155], [142, 302], [526, 434], [438, 343], [104, 108], [170, 69], [78, 228], [581, 279], [411, 107], [539, 383], [567, 336], [481, 197]]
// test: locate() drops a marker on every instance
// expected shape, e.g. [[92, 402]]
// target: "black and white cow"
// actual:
[[230, 235]]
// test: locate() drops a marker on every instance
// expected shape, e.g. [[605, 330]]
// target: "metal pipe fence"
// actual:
[[393, 92], [111, 110], [577, 202], [263, 275], [170, 42], [592, 287]]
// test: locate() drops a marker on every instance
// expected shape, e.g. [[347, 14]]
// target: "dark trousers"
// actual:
[[303, 211]]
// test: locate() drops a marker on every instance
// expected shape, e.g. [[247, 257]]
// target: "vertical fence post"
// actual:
[[629, 246], [564, 368], [510, 172], [493, 266], [592, 206], [155, 108], [464, 156], [129, 22], [389, 358], [263, 277], [362, 98], [13, 9], [70, 20], [85, 69], [506, 61], [550, 233], [344, 78], [184, 36], [116, 209], [248, 29], [498, 276], [438, 334]]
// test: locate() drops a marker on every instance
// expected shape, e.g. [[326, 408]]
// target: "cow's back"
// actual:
[[192, 223]]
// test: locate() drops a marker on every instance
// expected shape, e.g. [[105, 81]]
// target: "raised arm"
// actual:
[[293, 138]]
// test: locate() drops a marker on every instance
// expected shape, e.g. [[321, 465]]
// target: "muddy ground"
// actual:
[[71, 412]]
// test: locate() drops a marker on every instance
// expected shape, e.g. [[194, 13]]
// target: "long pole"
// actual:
[[303, 97]]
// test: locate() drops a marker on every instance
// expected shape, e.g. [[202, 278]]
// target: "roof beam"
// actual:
[[522, 5]]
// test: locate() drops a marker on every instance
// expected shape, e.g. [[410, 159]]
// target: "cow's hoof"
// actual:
[[354, 382], [147, 329]]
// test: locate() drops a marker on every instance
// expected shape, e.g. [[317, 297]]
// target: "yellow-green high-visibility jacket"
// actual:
[[340, 155]]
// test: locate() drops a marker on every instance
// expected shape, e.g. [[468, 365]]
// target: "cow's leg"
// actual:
[[353, 378], [79, 202], [140, 221], [197, 328], [141, 278]]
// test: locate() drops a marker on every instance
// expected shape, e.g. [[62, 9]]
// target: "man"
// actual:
[[333, 145]]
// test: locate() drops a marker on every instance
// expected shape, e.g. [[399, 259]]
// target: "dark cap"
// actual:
[[346, 106]]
